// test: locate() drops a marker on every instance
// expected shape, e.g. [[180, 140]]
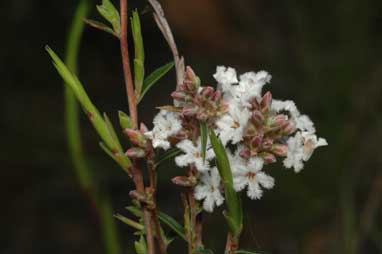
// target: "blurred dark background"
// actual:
[[324, 55]]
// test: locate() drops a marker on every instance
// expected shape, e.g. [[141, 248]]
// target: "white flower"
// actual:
[[295, 153], [289, 106], [209, 190], [311, 142], [193, 155], [300, 148], [231, 126], [225, 76], [166, 124], [250, 86], [249, 174]]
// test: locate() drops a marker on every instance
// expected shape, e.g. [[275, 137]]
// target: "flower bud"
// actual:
[[217, 96], [289, 128], [136, 137], [184, 181], [207, 91], [256, 141], [245, 153], [266, 101], [268, 157], [135, 153], [257, 118], [177, 95], [267, 144], [195, 81], [280, 149], [143, 128], [189, 110], [279, 120]]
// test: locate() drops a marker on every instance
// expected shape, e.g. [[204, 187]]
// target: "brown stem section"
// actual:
[[126, 65], [161, 241], [232, 244]]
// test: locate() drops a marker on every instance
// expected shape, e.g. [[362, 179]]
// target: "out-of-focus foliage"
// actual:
[[323, 54]]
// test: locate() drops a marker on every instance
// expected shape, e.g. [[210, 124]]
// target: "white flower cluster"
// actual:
[[255, 126]]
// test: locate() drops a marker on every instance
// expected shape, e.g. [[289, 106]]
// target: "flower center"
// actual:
[[251, 176]]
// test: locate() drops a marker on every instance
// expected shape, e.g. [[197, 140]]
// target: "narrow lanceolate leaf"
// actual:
[[154, 77], [111, 14], [124, 120], [204, 138], [139, 60], [234, 215], [100, 26], [135, 211], [92, 112], [130, 222], [140, 246], [112, 132], [168, 155], [173, 224]]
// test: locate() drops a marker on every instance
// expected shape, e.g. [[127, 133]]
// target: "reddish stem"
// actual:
[[126, 65]]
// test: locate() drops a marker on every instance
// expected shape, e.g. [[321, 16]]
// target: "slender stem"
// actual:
[[126, 65], [101, 204], [138, 180], [161, 241]]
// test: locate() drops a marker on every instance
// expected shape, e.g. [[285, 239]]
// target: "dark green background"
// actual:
[[324, 55]]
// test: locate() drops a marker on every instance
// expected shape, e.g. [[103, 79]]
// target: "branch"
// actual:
[[162, 23], [126, 65]]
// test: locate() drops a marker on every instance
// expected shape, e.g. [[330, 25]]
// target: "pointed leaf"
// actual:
[[172, 223], [125, 120], [100, 26], [112, 132], [154, 77], [140, 246], [135, 211], [168, 155], [139, 60], [129, 222], [235, 213], [139, 72], [111, 14]]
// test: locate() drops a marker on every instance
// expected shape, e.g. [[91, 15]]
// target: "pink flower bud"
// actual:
[[266, 101], [289, 128], [280, 149], [268, 157], [245, 153], [143, 128], [189, 110], [135, 153], [177, 95], [256, 141], [257, 118], [217, 96], [136, 137], [207, 91], [267, 144], [279, 120], [184, 181]]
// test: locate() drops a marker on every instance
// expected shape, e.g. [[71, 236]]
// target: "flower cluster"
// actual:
[[254, 128]]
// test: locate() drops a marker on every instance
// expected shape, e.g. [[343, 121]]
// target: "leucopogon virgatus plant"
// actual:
[[225, 136]]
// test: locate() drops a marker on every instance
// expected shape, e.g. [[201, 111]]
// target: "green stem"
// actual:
[[80, 165]]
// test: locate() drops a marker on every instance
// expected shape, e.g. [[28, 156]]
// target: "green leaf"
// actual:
[[135, 211], [92, 112], [130, 222], [204, 138], [154, 77], [139, 72], [101, 26], [139, 60], [112, 132], [125, 120], [234, 215], [111, 14], [140, 247], [173, 224], [166, 156]]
